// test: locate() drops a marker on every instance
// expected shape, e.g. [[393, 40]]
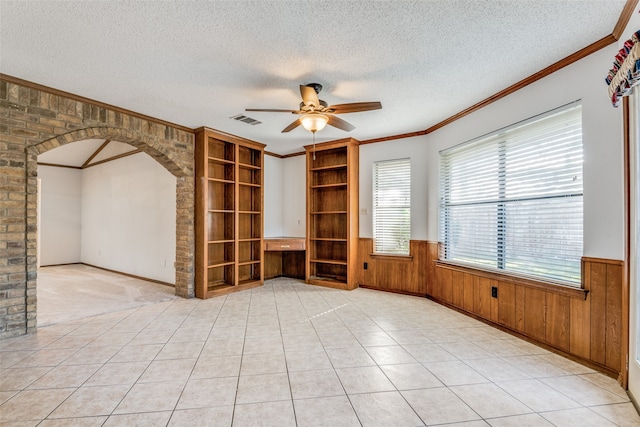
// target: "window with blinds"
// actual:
[[512, 200], [392, 206]]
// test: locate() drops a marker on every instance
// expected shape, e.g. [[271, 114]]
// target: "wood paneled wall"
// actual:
[[409, 275], [586, 324], [603, 279]]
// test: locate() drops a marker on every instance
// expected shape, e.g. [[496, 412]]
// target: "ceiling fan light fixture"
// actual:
[[313, 122]]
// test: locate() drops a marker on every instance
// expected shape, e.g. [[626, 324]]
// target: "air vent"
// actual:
[[245, 119]]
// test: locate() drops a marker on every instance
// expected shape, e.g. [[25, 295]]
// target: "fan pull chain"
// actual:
[[314, 146]]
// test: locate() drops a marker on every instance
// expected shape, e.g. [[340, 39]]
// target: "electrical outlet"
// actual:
[[366, 266], [494, 292]]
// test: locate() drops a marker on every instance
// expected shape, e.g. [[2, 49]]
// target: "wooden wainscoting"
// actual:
[[603, 279], [402, 274], [585, 324]]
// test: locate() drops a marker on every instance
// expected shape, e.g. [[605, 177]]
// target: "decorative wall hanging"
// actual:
[[625, 73]]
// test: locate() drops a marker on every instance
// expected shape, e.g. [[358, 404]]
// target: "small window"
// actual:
[[512, 200], [392, 206]]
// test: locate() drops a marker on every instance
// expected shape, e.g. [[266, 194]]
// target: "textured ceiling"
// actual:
[[198, 63]]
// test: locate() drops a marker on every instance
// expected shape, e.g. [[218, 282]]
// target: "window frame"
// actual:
[[405, 162], [500, 143]]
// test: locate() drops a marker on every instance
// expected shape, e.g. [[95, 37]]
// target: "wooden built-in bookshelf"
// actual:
[[332, 214], [229, 213]]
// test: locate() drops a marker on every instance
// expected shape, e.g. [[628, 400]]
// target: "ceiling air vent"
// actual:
[[243, 118]]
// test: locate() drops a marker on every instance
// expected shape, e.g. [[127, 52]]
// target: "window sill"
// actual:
[[394, 257], [547, 286]]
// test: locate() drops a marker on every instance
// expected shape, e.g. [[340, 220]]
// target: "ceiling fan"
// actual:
[[315, 113]]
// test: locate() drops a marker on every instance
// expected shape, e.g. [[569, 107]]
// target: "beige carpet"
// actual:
[[71, 292]]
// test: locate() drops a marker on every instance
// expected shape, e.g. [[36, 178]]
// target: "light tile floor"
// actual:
[[290, 354]]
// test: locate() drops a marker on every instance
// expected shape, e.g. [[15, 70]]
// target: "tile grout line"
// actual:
[[149, 364], [244, 340], [84, 382], [384, 312], [284, 353], [197, 358]]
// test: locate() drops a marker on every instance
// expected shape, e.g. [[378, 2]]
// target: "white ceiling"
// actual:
[[74, 154], [197, 63], [87, 153]]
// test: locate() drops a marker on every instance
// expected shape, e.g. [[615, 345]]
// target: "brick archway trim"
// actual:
[[35, 120], [156, 148]]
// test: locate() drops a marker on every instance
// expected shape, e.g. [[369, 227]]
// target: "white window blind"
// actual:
[[392, 206], [512, 200]]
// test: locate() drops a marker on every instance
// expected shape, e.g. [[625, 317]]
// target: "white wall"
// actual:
[[273, 179], [414, 148], [60, 209], [603, 152], [294, 196], [602, 140], [129, 217]]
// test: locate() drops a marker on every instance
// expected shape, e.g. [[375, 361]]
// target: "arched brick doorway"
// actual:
[[184, 186], [34, 120]]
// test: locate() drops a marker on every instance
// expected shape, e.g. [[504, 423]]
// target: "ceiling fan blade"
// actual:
[[354, 107], [272, 110], [337, 122], [292, 126], [309, 96]]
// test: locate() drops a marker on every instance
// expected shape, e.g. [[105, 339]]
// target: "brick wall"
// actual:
[[35, 120]]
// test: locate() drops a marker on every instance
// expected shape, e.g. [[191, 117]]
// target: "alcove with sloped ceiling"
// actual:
[[106, 204]]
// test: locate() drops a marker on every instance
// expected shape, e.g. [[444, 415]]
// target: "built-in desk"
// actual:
[[284, 256]]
